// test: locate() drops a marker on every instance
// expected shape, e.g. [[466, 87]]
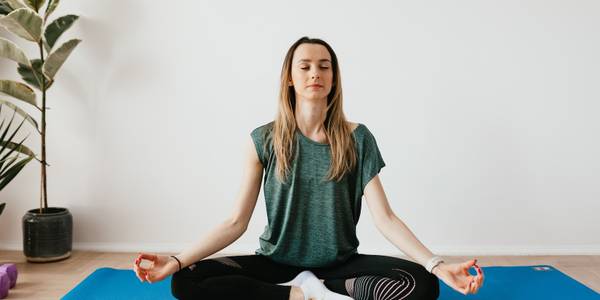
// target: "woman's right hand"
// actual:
[[161, 266]]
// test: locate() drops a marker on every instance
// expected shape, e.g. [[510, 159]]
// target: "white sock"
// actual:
[[299, 279], [313, 288]]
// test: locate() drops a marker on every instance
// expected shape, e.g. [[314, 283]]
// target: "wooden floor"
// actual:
[[54, 280]]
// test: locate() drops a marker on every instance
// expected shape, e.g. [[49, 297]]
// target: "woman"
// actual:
[[316, 168]]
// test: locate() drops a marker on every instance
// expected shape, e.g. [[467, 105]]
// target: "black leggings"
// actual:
[[362, 277]]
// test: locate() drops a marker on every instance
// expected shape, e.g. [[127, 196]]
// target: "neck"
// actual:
[[310, 116]]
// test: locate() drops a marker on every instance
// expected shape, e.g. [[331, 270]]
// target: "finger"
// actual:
[[479, 279], [477, 283], [479, 270], [479, 275], [141, 275], [138, 267], [138, 263], [482, 275], [150, 278], [466, 289], [470, 263], [467, 265], [136, 273], [147, 256], [473, 288], [472, 278]]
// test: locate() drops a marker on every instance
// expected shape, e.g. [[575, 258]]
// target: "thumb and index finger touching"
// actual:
[[146, 256], [472, 263]]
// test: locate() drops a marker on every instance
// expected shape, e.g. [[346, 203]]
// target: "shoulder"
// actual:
[[359, 130], [363, 136], [263, 129], [261, 135]]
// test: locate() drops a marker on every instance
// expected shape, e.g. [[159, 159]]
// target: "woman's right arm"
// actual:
[[231, 229]]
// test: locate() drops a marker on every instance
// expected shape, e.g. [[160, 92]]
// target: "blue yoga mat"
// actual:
[[109, 283], [501, 283], [524, 282]]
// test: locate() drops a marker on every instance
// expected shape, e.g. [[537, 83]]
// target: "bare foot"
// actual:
[[296, 293]]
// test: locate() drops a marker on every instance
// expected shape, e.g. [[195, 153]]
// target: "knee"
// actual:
[[184, 280], [434, 286], [179, 284], [428, 286]]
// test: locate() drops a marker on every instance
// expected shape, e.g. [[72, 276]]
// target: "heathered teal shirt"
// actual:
[[311, 220]]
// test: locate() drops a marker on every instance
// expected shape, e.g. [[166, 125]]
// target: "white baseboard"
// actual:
[[249, 249]]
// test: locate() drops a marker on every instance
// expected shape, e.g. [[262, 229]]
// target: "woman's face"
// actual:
[[312, 73]]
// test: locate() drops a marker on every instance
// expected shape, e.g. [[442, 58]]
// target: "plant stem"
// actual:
[[44, 182]]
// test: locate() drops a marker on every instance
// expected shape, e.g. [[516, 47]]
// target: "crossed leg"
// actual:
[[362, 277]]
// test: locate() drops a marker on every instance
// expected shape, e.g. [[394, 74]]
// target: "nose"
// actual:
[[315, 75]]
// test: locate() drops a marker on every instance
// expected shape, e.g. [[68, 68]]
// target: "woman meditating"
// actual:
[[316, 166]]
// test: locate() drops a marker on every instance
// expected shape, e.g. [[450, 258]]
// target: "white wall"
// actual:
[[485, 113]]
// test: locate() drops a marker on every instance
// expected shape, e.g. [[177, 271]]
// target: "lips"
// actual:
[[315, 86]]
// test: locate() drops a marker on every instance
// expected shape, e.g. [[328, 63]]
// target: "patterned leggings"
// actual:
[[362, 277]]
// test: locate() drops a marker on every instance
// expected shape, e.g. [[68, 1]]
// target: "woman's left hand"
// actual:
[[457, 276]]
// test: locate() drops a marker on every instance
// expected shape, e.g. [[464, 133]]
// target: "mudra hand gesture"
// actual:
[[160, 267], [457, 276]]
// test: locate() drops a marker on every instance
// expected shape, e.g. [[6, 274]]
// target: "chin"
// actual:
[[315, 96]]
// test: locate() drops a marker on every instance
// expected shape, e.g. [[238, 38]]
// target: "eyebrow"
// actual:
[[308, 60]]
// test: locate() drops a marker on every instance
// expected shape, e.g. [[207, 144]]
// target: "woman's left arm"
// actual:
[[395, 231], [391, 226]]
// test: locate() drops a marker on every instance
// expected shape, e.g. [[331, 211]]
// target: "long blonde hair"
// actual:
[[337, 129]]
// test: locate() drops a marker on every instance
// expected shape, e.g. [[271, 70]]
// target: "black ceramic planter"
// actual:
[[47, 236]]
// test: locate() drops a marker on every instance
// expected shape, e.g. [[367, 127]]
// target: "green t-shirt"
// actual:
[[311, 220]]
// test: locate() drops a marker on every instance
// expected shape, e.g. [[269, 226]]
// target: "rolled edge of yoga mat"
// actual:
[[4, 284], [11, 270]]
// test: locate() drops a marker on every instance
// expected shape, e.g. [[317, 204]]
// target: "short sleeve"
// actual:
[[259, 137], [372, 161]]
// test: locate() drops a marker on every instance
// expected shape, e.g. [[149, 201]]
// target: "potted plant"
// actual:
[[47, 231], [10, 166]]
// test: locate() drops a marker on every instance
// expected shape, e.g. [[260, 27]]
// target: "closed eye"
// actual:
[[323, 67]]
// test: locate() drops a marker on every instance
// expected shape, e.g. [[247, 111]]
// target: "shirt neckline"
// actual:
[[318, 143]]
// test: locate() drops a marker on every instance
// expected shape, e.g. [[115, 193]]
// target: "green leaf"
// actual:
[[34, 78], [50, 8], [7, 162], [25, 23], [5, 9], [35, 4], [15, 4], [8, 171], [17, 147], [57, 28], [7, 176], [56, 59], [4, 144], [22, 113], [11, 51], [18, 90], [5, 132]]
